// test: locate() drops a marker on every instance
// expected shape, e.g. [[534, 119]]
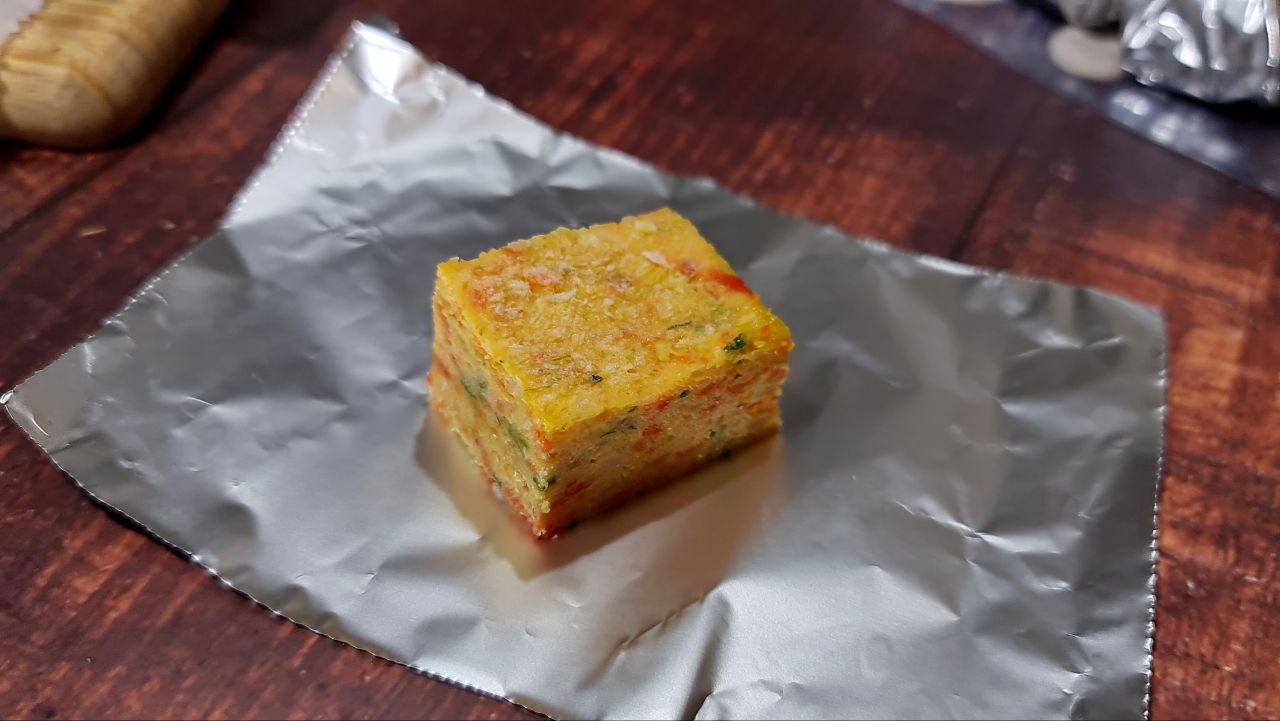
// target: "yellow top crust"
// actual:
[[595, 320]]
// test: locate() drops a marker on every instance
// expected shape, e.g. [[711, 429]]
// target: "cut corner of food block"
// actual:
[[586, 366]]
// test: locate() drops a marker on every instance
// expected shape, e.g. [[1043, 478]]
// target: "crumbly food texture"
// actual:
[[585, 366]]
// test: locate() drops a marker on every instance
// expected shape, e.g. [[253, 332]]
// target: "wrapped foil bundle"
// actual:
[[1220, 51]]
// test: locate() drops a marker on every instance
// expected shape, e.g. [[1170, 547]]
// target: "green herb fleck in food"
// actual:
[[595, 378], [517, 438], [623, 427], [632, 409], [475, 387], [737, 344], [543, 485], [684, 393]]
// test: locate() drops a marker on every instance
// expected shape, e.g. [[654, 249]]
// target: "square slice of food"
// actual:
[[586, 366]]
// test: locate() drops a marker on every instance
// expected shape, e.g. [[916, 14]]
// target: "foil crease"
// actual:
[[957, 520], [1220, 51]]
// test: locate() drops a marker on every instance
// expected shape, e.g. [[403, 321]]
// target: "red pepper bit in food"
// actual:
[[438, 367], [726, 279], [730, 281], [543, 442], [480, 295]]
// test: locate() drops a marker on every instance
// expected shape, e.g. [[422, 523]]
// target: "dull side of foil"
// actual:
[[1220, 51], [956, 521]]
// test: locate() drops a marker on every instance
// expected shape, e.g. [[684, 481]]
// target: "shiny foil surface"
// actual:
[[956, 521], [1220, 51]]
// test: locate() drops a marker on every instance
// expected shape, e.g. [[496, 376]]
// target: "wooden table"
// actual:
[[857, 114]]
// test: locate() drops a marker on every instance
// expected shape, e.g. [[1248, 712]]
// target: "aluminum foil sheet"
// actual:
[[1221, 51], [957, 520]]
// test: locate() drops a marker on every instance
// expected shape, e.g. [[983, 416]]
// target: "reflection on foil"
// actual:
[[956, 521]]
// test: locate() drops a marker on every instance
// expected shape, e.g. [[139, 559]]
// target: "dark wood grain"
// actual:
[[857, 114]]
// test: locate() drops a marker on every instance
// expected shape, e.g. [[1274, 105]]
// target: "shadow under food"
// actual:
[[708, 518]]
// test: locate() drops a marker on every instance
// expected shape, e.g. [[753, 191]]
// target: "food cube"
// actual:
[[585, 366]]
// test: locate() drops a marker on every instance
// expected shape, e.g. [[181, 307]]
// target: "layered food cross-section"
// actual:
[[585, 366]]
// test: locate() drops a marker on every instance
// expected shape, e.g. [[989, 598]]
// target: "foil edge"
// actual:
[[1161, 464]]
